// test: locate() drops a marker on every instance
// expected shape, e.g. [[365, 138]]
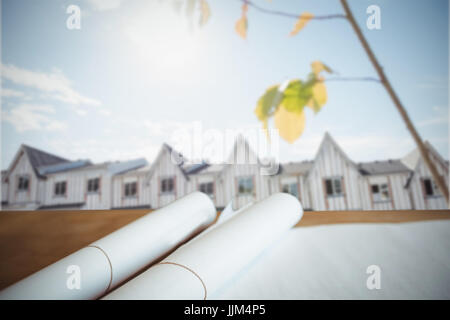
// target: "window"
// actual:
[[207, 188], [245, 186], [23, 183], [93, 185], [167, 185], [60, 188], [380, 192], [130, 189], [291, 189], [333, 187], [430, 188]]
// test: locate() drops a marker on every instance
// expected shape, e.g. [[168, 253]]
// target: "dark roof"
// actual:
[[296, 167], [64, 166], [194, 168], [132, 207], [61, 206], [382, 167], [40, 158]]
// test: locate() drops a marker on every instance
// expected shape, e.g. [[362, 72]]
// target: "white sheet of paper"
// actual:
[[203, 265], [109, 261], [330, 262]]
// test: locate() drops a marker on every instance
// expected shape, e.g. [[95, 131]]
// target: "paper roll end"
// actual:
[[203, 197], [292, 202]]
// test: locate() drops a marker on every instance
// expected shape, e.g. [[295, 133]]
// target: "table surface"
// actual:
[[31, 240]]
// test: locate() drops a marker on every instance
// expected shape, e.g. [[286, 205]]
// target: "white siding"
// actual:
[[165, 168], [142, 198], [76, 189], [22, 199], [330, 163], [421, 201]]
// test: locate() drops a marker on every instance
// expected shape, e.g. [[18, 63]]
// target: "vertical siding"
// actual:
[[165, 168], [420, 200], [330, 163], [23, 199]]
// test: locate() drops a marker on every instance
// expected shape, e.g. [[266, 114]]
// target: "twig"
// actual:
[[354, 79], [291, 15]]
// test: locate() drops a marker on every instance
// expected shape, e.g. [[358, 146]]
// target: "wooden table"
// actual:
[[31, 240]]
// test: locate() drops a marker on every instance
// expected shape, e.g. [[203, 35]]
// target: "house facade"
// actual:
[[36, 179]]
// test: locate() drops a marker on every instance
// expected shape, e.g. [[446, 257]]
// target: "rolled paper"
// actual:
[[94, 270], [200, 267]]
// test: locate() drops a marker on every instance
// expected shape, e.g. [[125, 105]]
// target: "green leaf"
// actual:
[[269, 100], [297, 94]]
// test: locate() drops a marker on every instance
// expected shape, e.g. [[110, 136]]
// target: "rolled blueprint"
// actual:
[[199, 268], [94, 270]]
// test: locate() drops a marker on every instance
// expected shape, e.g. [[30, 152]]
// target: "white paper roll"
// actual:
[[203, 265], [109, 261]]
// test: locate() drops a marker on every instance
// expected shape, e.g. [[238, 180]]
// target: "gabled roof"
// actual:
[[242, 153], [413, 158], [179, 158], [383, 167], [37, 158], [40, 158], [328, 139]]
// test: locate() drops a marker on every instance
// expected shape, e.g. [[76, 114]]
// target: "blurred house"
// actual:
[[331, 181]]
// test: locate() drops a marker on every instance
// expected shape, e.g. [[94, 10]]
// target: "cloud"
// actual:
[[7, 93], [358, 148], [28, 117], [433, 121], [54, 84], [105, 112], [440, 118], [433, 82], [99, 150], [104, 5]]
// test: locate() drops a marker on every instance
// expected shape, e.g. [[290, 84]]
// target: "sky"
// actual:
[[137, 72]]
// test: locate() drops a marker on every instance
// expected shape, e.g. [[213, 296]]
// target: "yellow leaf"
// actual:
[[290, 125], [317, 67], [319, 97], [241, 27], [301, 22], [320, 93], [242, 24], [310, 104], [205, 12]]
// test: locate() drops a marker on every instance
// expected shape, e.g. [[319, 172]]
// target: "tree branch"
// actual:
[[291, 15], [372, 79]]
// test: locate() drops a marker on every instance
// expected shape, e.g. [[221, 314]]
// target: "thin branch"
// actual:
[[372, 79], [291, 15]]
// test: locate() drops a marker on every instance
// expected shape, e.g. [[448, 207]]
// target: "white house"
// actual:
[[331, 181], [422, 189]]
